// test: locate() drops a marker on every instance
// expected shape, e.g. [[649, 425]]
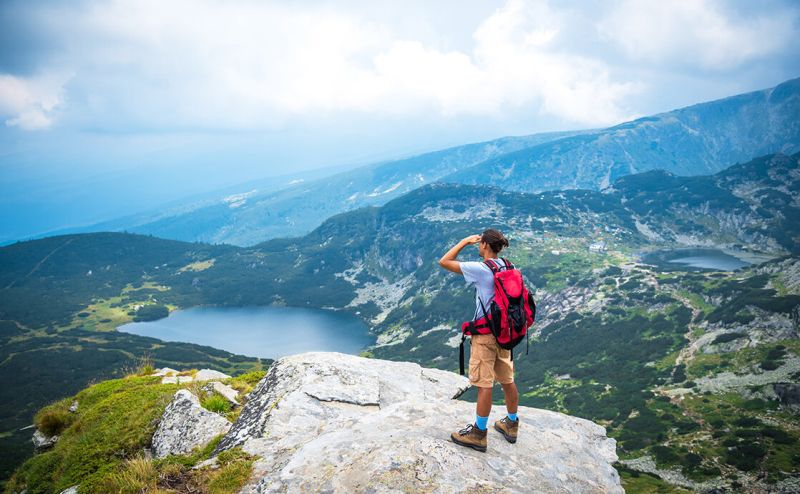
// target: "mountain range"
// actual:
[[696, 140]]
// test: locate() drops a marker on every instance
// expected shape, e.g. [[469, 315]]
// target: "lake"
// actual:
[[699, 259], [266, 332]]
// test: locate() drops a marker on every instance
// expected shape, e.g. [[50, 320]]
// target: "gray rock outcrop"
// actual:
[[789, 395], [224, 390], [339, 423], [171, 376], [209, 374], [186, 425], [42, 441]]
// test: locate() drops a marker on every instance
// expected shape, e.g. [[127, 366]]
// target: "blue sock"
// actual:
[[481, 422], [512, 416]]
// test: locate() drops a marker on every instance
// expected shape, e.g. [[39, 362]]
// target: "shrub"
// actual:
[[747, 422], [692, 461], [52, 420], [776, 353], [746, 456], [151, 312], [679, 374], [723, 338], [663, 454], [755, 404], [778, 435]]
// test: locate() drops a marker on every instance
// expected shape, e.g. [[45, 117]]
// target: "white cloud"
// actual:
[[214, 64], [700, 33], [31, 103], [515, 49]]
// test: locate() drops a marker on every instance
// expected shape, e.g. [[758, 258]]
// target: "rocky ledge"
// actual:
[[328, 422]]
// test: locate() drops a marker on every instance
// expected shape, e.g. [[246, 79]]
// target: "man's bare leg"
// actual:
[[512, 397], [484, 402]]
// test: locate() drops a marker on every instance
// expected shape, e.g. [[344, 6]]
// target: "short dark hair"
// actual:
[[495, 239]]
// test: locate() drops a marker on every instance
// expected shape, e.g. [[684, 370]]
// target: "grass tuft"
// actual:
[[135, 476], [54, 418], [217, 403]]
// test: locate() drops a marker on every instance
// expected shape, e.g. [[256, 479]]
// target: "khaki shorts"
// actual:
[[488, 362]]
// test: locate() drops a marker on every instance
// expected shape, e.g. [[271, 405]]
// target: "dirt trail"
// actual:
[[39, 264]]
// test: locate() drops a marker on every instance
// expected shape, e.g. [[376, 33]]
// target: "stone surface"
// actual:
[[226, 391], [73, 408], [186, 425], [71, 490], [165, 371], [176, 379], [171, 377], [209, 374], [41, 441], [339, 423]]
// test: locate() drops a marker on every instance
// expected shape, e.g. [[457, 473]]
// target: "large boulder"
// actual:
[[339, 423], [186, 425]]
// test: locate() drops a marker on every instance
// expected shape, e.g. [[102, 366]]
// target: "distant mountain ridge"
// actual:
[[697, 140], [255, 214]]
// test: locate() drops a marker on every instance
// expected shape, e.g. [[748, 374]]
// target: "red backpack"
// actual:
[[511, 313]]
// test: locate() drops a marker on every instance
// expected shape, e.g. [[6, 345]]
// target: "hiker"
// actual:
[[487, 361]]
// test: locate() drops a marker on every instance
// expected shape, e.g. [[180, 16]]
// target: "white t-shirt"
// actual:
[[478, 274]]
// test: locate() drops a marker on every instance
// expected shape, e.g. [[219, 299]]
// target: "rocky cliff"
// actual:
[[328, 422]]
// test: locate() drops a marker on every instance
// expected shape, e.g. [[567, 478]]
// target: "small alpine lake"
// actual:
[[265, 332], [700, 259]]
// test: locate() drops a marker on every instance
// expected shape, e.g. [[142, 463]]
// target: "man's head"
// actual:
[[492, 242]]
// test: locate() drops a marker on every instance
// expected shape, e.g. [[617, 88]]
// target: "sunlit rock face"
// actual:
[[339, 423]]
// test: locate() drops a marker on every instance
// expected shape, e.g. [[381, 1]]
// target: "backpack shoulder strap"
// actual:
[[491, 265], [508, 263]]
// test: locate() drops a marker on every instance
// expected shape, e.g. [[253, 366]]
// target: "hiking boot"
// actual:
[[508, 428], [471, 437]]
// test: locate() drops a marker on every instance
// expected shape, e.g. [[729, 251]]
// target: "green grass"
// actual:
[[100, 446], [217, 404], [114, 422], [176, 473]]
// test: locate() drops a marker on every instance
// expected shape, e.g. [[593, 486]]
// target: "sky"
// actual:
[[113, 107]]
